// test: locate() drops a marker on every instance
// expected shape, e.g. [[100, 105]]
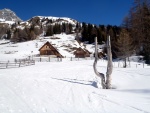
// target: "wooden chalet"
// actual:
[[48, 49], [81, 53], [100, 55]]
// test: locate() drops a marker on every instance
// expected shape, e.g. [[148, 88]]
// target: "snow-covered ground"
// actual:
[[68, 86]]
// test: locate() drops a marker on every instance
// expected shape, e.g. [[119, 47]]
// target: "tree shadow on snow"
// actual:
[[76, 81]]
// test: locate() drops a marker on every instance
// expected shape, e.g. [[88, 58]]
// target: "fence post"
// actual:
[[71, 59], [136, 65], [19, 63], [7, 64], [118, 64], [40, 59], [114, 64], [15, 60], [143, 64], [49, 58], [29, 61]]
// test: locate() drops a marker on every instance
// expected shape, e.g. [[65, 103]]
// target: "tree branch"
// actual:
[[101, 75]]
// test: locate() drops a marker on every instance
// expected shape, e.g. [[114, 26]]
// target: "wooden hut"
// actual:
[[81, 53], [48, 49], [100, 55]]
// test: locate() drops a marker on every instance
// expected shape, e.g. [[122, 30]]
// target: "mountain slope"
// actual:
[[65, 44], [11, 26]]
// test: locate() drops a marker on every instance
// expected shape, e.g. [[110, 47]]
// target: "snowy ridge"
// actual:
[[61, 19]]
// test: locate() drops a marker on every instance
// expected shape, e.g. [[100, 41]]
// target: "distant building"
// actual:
[[81, 53], [48, 49], [100, 55]]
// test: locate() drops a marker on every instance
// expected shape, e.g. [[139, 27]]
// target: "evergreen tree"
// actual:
[[15, 37], [139, 21], [70, 28], [49, 31], [124, 46], [84, 32], [90, 30], [8, 34]]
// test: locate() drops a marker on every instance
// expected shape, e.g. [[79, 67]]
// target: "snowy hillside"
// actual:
[[62, 42]]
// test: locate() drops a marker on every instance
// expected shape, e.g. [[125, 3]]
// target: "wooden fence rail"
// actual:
[[16, 64]]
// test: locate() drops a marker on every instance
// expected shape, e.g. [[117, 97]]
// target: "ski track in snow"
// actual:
[[104, 98], [67, 88]]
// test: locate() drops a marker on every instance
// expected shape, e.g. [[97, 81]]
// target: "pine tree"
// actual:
[[146, 32], [84, 32], [90, 30], [125, 46], [139, 19], [49, 31], [8, 34]]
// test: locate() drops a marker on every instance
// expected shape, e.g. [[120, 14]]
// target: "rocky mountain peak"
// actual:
[[8, 15]]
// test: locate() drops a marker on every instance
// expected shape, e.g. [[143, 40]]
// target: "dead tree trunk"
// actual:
[[109, 64], [101, 75], [105, 82]]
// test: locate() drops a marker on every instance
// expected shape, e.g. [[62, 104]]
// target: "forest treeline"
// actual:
[[131, 37]]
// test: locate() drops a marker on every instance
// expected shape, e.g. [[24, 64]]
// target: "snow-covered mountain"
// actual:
[[33, 27], [8, 15], [45, 21]]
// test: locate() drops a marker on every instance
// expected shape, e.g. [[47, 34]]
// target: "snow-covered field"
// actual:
[[68, 86]]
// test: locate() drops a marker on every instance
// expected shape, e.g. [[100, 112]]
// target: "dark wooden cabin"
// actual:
[[81, 53], [100, 55], [48, 49]]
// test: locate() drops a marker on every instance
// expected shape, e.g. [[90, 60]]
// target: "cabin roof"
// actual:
[[48, 43]]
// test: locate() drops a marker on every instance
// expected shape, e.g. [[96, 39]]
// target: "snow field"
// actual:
[[64, 87]]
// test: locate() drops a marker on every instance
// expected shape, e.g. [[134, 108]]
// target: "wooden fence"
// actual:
[[52, 59], [16, 63]]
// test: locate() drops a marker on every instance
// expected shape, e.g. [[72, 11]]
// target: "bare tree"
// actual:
[[105, 81]]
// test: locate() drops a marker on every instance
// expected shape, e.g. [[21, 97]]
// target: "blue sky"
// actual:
[[90, 11]]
